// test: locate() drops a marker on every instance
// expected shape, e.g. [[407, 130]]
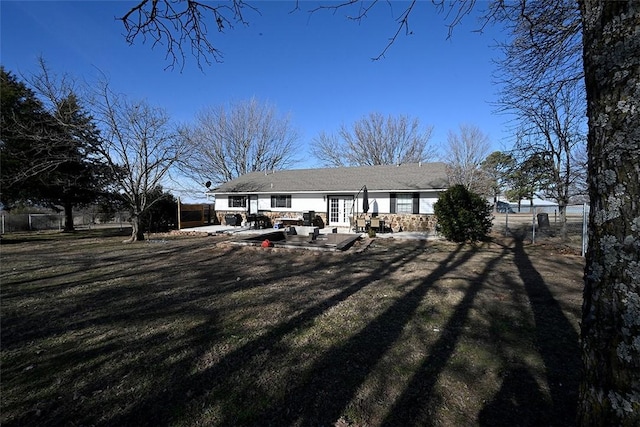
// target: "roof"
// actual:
[[404, 177]]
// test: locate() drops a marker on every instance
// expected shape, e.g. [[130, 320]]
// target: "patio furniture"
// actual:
[[375, 224], [233, 219], [361, 225]]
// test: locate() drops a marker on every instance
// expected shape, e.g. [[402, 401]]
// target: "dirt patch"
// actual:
[[196, 331]]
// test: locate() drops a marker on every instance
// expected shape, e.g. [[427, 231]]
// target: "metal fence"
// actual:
[[542, 223], [11, 222]]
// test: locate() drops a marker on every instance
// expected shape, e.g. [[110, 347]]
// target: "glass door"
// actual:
[[340, 210]]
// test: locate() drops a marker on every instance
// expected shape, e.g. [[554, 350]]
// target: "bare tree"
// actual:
[[552, 127], [140, 145], [542, 86], [246, 136], [375, 140], [464, 155]]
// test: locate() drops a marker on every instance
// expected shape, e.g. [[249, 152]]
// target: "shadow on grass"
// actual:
[[46, 236], [335, 377], [122, 321], [174, 401], [520, 397], [416, 405]]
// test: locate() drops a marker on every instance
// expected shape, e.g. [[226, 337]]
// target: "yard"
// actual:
[[195, 331]]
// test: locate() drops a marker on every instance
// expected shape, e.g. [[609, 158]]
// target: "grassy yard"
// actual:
[[193, 331]]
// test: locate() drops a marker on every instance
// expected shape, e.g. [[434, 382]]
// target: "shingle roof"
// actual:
[[404, 177]]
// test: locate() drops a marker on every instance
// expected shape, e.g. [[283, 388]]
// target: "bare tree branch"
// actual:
[[376, 140], [182, 26]]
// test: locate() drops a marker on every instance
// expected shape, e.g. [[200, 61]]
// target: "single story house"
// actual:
[[400, 195]]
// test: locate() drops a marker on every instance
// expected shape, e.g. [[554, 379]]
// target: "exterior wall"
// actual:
[[426, 203], [379, 205]]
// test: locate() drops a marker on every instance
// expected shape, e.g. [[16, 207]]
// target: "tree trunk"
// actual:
[[610, 330], [137, 233], [562, 211], [68, 217]]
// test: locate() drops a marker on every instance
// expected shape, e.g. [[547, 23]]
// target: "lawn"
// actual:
[[192, 331]]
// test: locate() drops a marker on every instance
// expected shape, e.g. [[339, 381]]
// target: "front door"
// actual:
[[253, 205], [340, 208]]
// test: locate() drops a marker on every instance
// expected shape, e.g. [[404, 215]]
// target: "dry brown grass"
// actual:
[[195, 331]]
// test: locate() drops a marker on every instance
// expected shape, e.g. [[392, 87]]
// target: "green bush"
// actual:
[[463, 215]]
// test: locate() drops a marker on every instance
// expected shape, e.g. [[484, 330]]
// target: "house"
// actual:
[[400, 195]]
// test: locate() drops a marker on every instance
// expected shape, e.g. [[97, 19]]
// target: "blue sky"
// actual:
[[317, 67]]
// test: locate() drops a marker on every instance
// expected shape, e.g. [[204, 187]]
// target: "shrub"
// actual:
[[463, 215]]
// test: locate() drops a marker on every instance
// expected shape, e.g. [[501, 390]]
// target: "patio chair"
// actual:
[[375, 224], [361, 224]]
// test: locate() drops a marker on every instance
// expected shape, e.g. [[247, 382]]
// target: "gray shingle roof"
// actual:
[[405, 177]]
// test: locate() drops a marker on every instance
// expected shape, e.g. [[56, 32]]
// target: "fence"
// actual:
[[195, 215], [10, 222], [542, 223]]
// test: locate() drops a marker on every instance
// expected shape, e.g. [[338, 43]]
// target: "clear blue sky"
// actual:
[[316, 67]]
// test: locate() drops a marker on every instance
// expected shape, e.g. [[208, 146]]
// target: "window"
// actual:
[[237, 201], [280, 201], [404, 203]]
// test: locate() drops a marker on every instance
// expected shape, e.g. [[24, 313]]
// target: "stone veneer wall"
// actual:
[[409, 222], [395, 222]]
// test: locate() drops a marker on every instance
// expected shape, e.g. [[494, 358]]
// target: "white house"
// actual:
[[400, 195]]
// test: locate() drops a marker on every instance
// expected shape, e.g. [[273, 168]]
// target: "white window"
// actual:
[[280, 201], [404, 203], [237, 201]]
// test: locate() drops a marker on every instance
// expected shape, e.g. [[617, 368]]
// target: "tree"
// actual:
[[81, 178], [464, 154], [24, 125], [463, 215], [497, 168], [528, 177], [163, 213], [47, 157], [610, 392], [375, 140], [610, 328], [140, 145], [248, 136], [550, 117]]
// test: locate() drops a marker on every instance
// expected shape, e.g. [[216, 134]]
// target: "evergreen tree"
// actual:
[[48, 157], [463, 215]]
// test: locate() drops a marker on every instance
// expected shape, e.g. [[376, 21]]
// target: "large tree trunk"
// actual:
[[68, 217], [610, 392]]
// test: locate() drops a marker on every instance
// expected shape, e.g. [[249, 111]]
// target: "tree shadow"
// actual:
[[558, 345], [159, 407], [333, 380], [326, 386], [519, 402], [415, 405]]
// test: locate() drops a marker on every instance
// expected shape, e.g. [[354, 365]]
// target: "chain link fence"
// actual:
[[15, 222], [543, 224]]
